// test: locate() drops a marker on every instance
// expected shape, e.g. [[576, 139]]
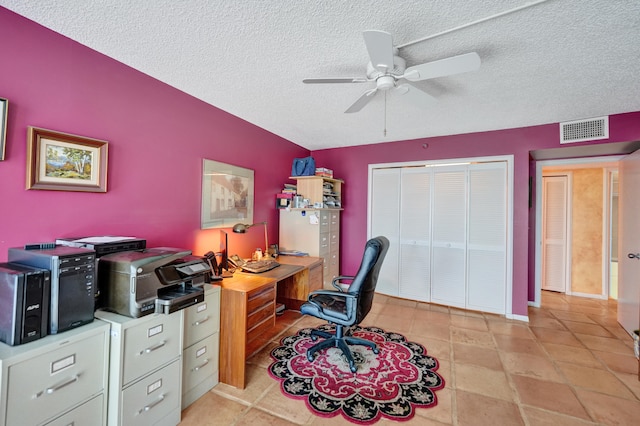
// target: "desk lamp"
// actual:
[[241, 228]]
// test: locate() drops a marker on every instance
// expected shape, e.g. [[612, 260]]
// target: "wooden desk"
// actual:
[[247, 308], [294, 290]]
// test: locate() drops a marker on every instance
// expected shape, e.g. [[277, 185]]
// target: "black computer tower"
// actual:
[[73, 278], [24, 303]]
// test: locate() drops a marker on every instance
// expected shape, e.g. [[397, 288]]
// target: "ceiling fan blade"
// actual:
[[416, 96], [362, 101], [380, 47], [448, 66], [334, 80]]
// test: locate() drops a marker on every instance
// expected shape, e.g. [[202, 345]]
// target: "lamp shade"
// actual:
[[241, 228]]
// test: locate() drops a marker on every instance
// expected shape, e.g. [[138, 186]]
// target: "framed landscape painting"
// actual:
[[64, 162]]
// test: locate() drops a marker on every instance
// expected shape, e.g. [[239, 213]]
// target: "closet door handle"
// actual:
[[634, 256]]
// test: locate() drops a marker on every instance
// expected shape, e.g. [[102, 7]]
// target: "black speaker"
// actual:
[[24, 303]]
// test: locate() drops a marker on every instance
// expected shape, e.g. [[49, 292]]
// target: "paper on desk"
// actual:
[[98, 240]]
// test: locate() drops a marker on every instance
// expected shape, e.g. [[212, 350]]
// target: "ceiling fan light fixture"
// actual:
[[385, 82]]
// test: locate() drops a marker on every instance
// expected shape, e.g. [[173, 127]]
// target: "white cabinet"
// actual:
[[145, 371], [60, 379], [316, 232], [201, 346], [447, 227]]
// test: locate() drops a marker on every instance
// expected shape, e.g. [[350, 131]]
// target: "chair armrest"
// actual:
[[331, 293], [336, 281]]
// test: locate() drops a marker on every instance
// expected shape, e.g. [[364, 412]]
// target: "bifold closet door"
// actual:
[[415, 234], [487, 238], [448, 277], [385, 216]]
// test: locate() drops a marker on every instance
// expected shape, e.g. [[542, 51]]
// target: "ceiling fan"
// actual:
[[389, 72]]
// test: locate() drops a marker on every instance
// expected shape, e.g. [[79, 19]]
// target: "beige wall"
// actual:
[[587, 231]]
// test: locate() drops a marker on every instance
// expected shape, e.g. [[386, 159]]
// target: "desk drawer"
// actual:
[[259, 315], [260, 297], [259, 328]]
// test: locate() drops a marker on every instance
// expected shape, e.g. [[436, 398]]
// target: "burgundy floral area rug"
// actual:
[[391, 384]]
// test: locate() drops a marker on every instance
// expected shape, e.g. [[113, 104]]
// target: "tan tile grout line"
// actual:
[[559, 370], [604, 365], [512, 385]]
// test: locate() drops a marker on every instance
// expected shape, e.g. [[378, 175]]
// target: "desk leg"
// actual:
[[233, 337]]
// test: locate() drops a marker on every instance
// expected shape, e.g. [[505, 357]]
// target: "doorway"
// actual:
[[589, 253]]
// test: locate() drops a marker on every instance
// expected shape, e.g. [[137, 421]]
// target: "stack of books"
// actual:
[[289, 189]]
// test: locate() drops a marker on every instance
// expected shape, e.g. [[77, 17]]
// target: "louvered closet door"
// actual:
[[554, 233], [415, 234], [486, 244], [449, 236], [385, 217]]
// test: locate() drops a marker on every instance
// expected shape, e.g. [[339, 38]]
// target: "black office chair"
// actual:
[[350, 307]]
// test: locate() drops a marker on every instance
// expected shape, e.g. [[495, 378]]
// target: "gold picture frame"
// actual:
[[4, 107], [63, 162]]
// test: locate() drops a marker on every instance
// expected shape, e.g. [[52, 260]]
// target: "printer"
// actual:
[[153, 280]]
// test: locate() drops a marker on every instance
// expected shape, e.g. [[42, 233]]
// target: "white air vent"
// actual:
[[584, 130]]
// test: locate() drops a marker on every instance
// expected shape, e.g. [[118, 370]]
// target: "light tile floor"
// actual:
[[572, 364]]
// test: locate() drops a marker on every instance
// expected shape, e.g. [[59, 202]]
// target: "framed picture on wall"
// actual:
[[64, 162], [4, 105], [227, 195]]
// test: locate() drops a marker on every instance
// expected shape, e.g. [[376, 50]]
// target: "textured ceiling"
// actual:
[[555, 60]]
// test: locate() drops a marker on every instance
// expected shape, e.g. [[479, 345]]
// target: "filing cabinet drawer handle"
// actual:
[[153, 404], [49, 391], [206, 361], [152, 348], [203, 320]]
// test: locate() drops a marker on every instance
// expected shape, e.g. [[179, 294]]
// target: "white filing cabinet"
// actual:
[[60, 379], [201, 346], [316, 232], [145, 370]]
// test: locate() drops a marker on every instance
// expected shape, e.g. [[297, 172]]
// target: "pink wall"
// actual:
[[351, 164], [157, 138]]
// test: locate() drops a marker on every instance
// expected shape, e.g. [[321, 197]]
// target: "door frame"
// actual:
[[538, 213]]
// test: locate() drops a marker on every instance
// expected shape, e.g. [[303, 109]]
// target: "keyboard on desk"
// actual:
[[257, 266]]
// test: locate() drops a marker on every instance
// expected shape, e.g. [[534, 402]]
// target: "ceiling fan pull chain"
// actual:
[[385, 114]]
